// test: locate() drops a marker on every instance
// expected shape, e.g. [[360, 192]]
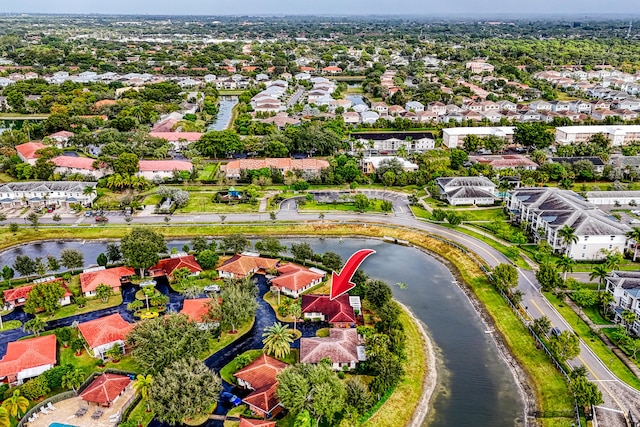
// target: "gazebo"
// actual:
[[105, 389]]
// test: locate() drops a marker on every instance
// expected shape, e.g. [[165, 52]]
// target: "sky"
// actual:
[[324, 7]]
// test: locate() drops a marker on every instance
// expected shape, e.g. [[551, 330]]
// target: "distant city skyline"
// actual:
[[327, 7]]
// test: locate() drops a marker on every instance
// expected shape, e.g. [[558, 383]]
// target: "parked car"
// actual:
[[634, 221], [88, 213], [230, 398], [212, 288], [102, 218], [555, 332]]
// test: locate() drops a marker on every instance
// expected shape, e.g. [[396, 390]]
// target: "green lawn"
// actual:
[[489, 214], [504, 250], [595, 343], [208, 173], [10, 324], [374, 206], [203, 202], [90, 364], [152, 199], [226, 339], [140, 415], [91, 305]]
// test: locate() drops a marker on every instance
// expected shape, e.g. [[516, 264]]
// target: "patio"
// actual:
[[65, 412]]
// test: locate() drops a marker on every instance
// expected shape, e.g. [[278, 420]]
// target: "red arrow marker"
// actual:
[[341, 283]]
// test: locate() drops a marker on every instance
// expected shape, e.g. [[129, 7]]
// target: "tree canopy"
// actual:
[[141, 248]]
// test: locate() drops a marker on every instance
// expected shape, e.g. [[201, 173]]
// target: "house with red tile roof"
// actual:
[[112, 277], [151, 169], [103, 333], [61, 137], [66, 165], [105, 389], [243, 265], [27, 151], [250, 422], [332, 70], [197, 309], [261, 377], [17, 297], [177, 139], [342, 347], [309, 167], [27, 359], [337, 312], [166, 267], [294, 279]]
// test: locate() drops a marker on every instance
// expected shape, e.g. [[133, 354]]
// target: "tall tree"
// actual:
[[44, 296], [270, 245], [378, 293], [104, 292], [16, 405], [505, 276], [155, 343], [35, 325], [565, 346], [634, 235], [238, 306], [74, 379], [235, 243], [567, 237], [532, 135], [24, 265], [141, 248], [599, 272], [277, 340], [565, 263], [586, 393], [71, 258], [301, 251], [184, 390], [548, 277], [113, 252], [126, 164], [142, 385]]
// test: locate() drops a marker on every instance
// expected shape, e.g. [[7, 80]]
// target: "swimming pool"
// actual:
[[60, 425]]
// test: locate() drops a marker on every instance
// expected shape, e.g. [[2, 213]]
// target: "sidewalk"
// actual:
[[610, 345]]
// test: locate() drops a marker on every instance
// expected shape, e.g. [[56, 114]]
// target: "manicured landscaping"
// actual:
[[202, 201], [140, 415], [374, 206], [235, 412], [225, 339], [594, 342], [227, 371], [10, 324], [91, 305], [209, 172]]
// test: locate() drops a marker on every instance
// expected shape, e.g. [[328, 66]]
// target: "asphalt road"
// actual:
[[619, 398]]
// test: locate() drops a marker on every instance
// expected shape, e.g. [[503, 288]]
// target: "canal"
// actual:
[[475, 386], [225, 112]]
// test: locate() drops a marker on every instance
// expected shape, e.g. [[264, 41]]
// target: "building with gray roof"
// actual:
[[546, 210], [625, 288], [467, 190], [42, 193]]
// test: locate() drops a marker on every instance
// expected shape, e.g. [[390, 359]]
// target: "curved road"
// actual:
[[619, 398]]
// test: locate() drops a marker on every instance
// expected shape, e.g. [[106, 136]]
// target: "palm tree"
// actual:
[[35, 325], [613, 260], [402, 152], [73, 379], [295, 311], [16, 405], [5, 421], [599, 272], [143, 385], [629, 317], [567, 237], [634, 235], [565, 263], [104, 292], [277, 340]]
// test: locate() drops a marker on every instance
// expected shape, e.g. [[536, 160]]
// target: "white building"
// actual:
[[467, 190], [625, 288], [371, 164], [392, 141], [153, 169], [61, 193], [454, 137], [614, 198], [618, 135], [547, 210]]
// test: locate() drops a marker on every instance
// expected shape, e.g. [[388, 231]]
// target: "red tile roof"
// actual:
[[176, 136], [28, 150], [284, 164], [164, 165], [262, 372], [27, 354], [295, 277], [105, 388], [11, 295], [74, 162], [340, 347], [62, 134], [335, 311], [249, 422], [306, 68], [110, 277], [169, 265], [332, 68], [196, 309], [264, 398], [242, 265], [105, 330]]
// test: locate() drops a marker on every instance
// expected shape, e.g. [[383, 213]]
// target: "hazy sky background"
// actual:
[[325, 7]]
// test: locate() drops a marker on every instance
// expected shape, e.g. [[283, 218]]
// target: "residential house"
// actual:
[[597, 162], [613, 198], [603, 114], [282, 120], [479, 67], [260, 376], [454, 137], [166, 267], [414, 106], [437, 107], [507, 106], [371, 164], [39, 193], [113, 277], [161, 169], [68, 165], [177, 139], [626, 115], [310, 167], [61, 138], [27, 151], [342, 347], [514, 161], [381, 108], [467, 190], [382, 142], [396, 110], [197, 310], [531, 116], [625, 288], [27, 359], [547, 210], [105, 332], [244, 265], [294, 279], [351, 117], [617, 134], [369, 117], [427, 117], [332, 70], [17, 297], [473, 116], [338, 312], [250, 422]]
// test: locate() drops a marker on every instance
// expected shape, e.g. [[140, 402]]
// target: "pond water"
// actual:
[[225, 112], [356, 99], [476, 386]]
